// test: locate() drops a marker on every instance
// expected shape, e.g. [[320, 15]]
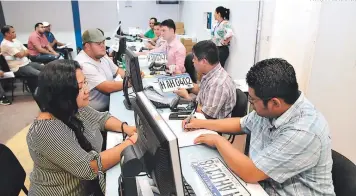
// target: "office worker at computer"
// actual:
[[157, 41], [65, 141], [216, 94], [290, 148], [173, 47], [150, 33], [98, 69]]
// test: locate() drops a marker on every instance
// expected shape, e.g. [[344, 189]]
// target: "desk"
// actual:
[[187, 154]]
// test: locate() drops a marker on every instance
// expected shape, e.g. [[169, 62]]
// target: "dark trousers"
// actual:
[[44, 58], [31, 72], [223, 54], [65, 52]]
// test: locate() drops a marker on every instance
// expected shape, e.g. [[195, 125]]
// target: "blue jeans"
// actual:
[[44, 58], [31, 72]]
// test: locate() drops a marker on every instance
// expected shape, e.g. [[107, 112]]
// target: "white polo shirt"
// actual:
[[97, 73]]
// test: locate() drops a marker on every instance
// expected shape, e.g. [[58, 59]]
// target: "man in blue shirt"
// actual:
[[53, 41]]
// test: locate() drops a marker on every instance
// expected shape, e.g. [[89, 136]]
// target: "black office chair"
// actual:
[[344, 175], [240, 110], [13, 175], [5, 67], [189, 67]]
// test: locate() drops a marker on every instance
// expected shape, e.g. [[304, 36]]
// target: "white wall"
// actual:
[[243, 17], [289, 30], [23, 15], [103, 14], [332, 80]]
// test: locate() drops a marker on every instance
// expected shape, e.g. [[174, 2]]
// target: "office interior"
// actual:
[[316, 37]]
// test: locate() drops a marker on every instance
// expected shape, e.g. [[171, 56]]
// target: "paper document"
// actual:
[[65, 46], [185, 138], [9, 74]]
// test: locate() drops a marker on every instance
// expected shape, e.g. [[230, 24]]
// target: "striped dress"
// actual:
[[61, 166]]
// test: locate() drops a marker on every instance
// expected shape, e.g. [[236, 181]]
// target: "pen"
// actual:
[[191, 114]]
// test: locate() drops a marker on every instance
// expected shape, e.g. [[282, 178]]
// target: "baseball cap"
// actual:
[[46, 24], [93, 35]]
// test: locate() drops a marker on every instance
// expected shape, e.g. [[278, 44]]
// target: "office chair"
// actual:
[[13, 175], [344, 175], [240, 110], [5, 67], [189, 67]]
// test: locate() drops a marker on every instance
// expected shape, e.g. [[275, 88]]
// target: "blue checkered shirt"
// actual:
[[294, 150]]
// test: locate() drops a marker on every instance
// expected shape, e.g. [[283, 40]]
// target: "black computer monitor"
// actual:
[[156, 148], [119, 31], [122, 49], [132, 76]]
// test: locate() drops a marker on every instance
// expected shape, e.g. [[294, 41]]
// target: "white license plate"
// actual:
[[219, 179], [171, 83], [157, 57]]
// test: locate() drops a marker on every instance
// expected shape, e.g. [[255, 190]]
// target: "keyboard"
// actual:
[[188, 190], [159, 104]]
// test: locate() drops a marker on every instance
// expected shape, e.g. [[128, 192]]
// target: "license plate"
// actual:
[[157, 57], [219, 179], [171, 83]]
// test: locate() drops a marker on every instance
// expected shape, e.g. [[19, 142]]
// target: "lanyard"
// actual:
[[217, 26]]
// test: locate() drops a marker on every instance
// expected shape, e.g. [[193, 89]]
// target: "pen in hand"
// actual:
[[191, 114]]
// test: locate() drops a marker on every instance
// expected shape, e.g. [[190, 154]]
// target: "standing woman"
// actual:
[[222, 33], [65, 141]]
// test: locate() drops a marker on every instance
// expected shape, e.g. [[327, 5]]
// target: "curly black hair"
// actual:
[[273, 78]]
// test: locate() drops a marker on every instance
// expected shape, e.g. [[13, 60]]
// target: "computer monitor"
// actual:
[[122, 49], [156, 148], [118, 30], [132, 76]]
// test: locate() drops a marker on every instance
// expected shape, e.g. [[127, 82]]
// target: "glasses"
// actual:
[[84, 86], [253, 100]]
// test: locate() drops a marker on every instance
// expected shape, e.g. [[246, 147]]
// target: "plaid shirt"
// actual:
[[294, 150], [217, 94]]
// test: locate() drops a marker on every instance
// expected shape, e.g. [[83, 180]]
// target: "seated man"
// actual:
[[38, 47], [157, 41], [290, 148], [174, 49], [150, 34], [3, 99], [53, 41], [216, 95], [98, 69], [16, 54]]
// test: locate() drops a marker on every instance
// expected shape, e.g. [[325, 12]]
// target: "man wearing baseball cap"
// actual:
[[53, 41], [99, 70]]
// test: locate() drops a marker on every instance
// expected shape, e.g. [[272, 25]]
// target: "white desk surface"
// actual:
[[187, 154]]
